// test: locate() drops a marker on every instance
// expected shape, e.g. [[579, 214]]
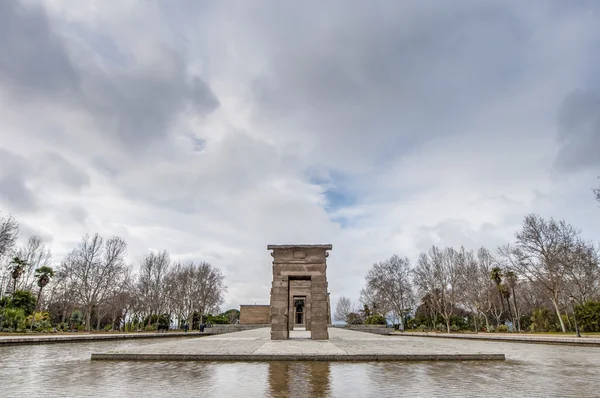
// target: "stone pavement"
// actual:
[[513, 338], [86, 337], [343, 345]]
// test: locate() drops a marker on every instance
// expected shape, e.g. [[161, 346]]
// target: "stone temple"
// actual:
[[299, 296]]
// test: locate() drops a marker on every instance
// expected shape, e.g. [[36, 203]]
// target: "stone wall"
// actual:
[[254, 314], [220, 329], [376, 329]]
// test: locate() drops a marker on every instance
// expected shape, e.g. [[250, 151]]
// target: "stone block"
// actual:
[[278, 327], [318, 335], [318, 297], [283, 335]]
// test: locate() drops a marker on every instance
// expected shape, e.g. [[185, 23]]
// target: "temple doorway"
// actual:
[[299, 310]]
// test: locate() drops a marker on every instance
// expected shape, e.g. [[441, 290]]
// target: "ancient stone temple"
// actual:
[[299, 296]]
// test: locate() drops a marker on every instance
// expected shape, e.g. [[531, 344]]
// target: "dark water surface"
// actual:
[[65, 370]]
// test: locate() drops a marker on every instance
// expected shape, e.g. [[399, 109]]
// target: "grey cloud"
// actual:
[[58, 170], [32, 58], [137, 108], [78, 214], [579, 131], [27, 231], [380, 80], [47, 169], [133, 106], [15, 194], [457, 233]]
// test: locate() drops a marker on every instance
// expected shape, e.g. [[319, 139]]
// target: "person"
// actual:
[[202, 327], [185, 327]]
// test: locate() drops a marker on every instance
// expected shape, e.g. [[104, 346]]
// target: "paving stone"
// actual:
[[342, 345]]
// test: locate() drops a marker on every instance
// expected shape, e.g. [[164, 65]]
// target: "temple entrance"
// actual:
[[299, 309]]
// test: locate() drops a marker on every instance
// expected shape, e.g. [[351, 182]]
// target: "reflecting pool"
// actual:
[[65, 370]]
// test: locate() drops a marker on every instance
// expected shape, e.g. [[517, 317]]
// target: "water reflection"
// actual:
[[299, 379], [65, 370]]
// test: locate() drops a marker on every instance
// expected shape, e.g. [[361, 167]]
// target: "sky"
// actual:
[[211, 129]]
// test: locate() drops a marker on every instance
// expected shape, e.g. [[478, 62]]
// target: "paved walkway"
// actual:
[[343, 345], [513, 337], [83, 337]]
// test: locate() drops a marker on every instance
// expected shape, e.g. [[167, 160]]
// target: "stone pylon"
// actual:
[[306, 263]]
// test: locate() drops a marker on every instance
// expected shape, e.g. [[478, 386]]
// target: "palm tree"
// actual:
[[17, 270], [496, 276], [43, 276]]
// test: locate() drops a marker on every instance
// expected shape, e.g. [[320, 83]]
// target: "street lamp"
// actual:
[[575, 317]]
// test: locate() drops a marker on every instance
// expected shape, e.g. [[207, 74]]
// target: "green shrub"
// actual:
[[502, 329], [422, 328], [454, 328], [440, 327], [491, 329], [76, 319], [375, 319], [588, 316], [24, 300], [12, 318], [62, 326]]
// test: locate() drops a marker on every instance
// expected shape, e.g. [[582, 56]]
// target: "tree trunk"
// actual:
[[37, 303], [562, 324], [517, 317], [487, 322], [448, 324], [88, 319]]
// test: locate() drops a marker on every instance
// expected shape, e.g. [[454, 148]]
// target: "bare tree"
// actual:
[[438, 274], [342, 309], [476, 287], [597, 192], [391, 280], [541, 253], [212, 289], [582, 272], [36, 254], [91, 270], [152, 290], [9, 232]]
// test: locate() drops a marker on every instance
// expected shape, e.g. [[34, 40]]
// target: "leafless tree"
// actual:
[[92, 269], [477, 289], [391, 280], [342, 309], [152, 291], [374, 301], [212, 289], [36, 254], [542, 253], [195, 288], [9, 233], [582, 272], [438, 275], [597, 192]]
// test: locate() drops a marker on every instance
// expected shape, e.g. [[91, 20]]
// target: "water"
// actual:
[[65, 370]]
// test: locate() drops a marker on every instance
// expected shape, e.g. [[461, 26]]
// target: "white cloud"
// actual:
[[212, 131]]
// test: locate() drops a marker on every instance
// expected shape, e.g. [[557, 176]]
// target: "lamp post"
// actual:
[[575, 316]]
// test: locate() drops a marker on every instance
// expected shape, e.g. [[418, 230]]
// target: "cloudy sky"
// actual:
[[211, 129]]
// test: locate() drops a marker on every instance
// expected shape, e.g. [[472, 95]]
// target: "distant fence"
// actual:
[[220, 329]]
